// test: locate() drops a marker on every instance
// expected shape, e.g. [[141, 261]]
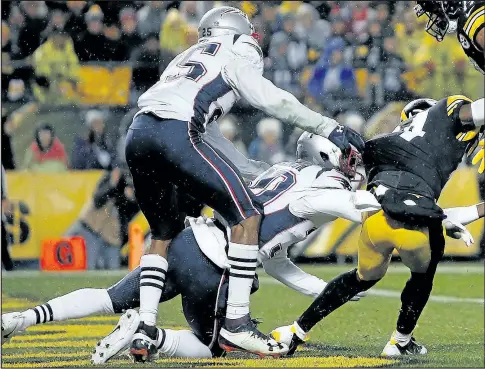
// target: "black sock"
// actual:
[[418, 288], [414, 297], [338, 291]]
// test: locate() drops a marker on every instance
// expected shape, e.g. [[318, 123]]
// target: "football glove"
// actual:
[[343, 137], [480, 157], [458, 231]]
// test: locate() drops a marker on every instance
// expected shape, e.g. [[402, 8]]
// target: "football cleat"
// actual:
[[247, 338], [11, 324], [393, 348], [118, 341], [144, 344], [291, 335]]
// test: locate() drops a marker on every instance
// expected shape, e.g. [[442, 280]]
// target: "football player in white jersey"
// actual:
[[167, 146], [298, 197]]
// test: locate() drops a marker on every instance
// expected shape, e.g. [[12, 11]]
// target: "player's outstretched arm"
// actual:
[[465, 214], [244, 75]]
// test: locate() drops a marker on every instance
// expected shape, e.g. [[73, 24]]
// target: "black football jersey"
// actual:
[[426, 148], [469, 24]]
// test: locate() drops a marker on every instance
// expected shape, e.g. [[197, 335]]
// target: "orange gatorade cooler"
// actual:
[[59, 254]]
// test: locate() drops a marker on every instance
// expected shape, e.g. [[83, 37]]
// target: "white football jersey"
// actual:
[[199, 85], [280, 188]]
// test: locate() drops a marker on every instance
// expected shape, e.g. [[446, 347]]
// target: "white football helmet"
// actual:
[[321, 151], [225, 20]]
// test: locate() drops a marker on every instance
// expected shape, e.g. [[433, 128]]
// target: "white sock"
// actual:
[[401, 338], [299, 332], [182, 343], [152, 279], [77, 304], [243, 260]]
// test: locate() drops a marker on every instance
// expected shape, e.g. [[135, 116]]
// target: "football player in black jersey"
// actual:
[[407, 170], [466, 18]]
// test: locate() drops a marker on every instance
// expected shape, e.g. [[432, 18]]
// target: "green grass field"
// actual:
[[451, 327]]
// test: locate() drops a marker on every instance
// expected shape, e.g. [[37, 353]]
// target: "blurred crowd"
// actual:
[[346, 59]]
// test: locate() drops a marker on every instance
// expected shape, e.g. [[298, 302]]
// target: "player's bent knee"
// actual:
[[375, 274]]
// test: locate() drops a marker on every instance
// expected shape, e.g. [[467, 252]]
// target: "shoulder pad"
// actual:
[[456, 100], [246, 47]]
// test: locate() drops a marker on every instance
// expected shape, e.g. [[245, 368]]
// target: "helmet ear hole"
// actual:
[[324, 156]]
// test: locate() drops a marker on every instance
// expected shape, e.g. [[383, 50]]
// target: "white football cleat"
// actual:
[[11, 324], [119, 340], [291, 335], [247, 338], [393, 348]]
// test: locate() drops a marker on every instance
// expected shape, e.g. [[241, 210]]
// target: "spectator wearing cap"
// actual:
[[91, 46], [46, 154], [76, 25], [129, 34], [268, 146], [56, 68], [150, 17], [94, 151], [228, 125], [172, 33]]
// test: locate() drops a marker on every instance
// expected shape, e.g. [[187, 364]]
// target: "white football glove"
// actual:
[[458, 231]]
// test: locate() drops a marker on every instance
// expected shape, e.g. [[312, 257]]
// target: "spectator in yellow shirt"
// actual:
[[56, 68]]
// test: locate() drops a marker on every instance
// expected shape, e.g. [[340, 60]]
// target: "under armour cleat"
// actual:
[[291, 336], [118, 341], [247, 338], [144, 344], [393, 348], [11, 324]]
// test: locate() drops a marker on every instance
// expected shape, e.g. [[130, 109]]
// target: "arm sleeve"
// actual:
[[282, 268], [244, 74], [249, 169], [463, 215], [478, 114], [334, 202]]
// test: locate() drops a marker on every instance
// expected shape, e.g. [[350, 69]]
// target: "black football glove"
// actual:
[[343, 137]]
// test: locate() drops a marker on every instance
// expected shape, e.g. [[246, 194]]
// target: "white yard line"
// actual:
[[456, 268], [395, 269], [397, 294]]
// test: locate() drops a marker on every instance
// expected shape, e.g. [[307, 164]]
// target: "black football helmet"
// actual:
[[442, 15], [416, 107]]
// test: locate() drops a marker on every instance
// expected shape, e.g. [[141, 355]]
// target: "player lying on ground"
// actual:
[[407, 170], [167, 145], [298, 198]]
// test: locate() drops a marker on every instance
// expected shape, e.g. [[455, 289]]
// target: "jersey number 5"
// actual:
[[414, 128], [197, 69]]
